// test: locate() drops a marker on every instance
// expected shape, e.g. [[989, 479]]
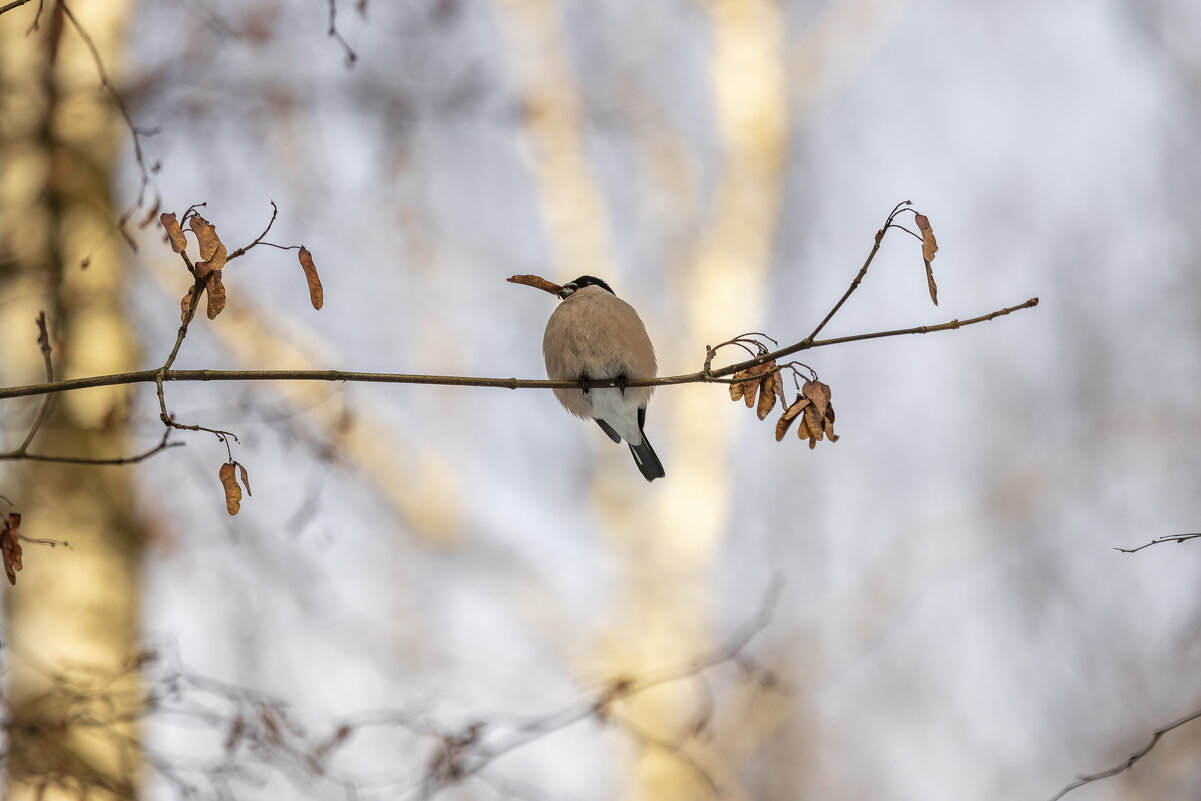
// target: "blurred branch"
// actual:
[[14, 4], [258, 730], [1130, 760], [1159, 540], [351, 56]]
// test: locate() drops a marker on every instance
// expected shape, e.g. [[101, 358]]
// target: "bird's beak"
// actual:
[[566, 290]]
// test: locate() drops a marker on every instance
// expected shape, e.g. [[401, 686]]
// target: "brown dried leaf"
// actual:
[[233, 493], [216, 294], [929, 243], [789, 415], [174, 233], [819, 393], [10, 547], [185, 304], [206, 236], [245, 478], [536, 281], [316, 293], [750, 390], [767, 396], [736, 390], [929, 248], [813, 425]]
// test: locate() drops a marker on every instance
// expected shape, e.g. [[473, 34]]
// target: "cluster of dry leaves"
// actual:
[[761, 385], [213, 258]]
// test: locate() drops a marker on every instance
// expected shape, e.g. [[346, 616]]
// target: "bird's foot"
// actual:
[[584, 383], [622, 382]]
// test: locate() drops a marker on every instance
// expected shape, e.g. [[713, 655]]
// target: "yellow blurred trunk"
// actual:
[[71, 621]]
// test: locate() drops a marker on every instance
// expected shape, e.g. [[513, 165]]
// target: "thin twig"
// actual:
[[1160, 540], [271, 222], [162, 445], [1129, 762], [134, 131], [151, 376], [40, 417], [351, 56]]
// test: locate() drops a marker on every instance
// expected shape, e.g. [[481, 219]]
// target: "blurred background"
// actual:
[[436, 581]]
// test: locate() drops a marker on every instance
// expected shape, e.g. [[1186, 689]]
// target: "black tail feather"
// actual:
[[608, 429], [647, 461]]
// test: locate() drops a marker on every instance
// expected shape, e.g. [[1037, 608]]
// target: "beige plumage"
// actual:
[[593, 334]]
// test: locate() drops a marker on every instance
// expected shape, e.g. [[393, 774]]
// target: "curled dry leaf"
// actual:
[[216, 294], [929, 248], [536, 281], [174, 233], [233, 493], [10, 547], [212, 249], [316, 293], [750, 382], [790, 414], [816, 413], [245, 478], [929, 243], [185, 304], [768, 388], [206, 236]]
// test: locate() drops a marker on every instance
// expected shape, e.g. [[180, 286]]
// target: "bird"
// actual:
[[594, 335]]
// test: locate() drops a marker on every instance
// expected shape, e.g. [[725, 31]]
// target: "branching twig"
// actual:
[[351, 56], [44, 407], [134, 131], [1129, 762], [1160, 540]]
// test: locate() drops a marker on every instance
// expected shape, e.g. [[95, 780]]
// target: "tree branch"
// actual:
[[1130, 760], [151, 376], [1161, 540]]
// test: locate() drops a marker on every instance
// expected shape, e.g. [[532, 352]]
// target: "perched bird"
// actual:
[[594, 335]]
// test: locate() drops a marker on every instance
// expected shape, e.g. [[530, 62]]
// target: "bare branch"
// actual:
[[151, 376], [1129, 762], [1160, 540]]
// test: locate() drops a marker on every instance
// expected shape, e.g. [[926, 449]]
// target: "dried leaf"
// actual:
[[10, 547], [212, 249], [929, 248], [245, 478], [174, 233], [206, 236], [819, 393], [750, 391], [736, 390], [233, 493], [929, 243], [536, 281], [316, 293], [789, 415], [767, 396], [216, 294], [185, 304]]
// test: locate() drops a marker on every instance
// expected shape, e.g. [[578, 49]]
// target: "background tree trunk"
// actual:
[[71, 621]]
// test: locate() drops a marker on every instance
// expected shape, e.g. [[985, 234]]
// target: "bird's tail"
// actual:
[[647, 461]]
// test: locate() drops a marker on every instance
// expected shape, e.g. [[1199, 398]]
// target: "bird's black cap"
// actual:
[[583, 281]]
